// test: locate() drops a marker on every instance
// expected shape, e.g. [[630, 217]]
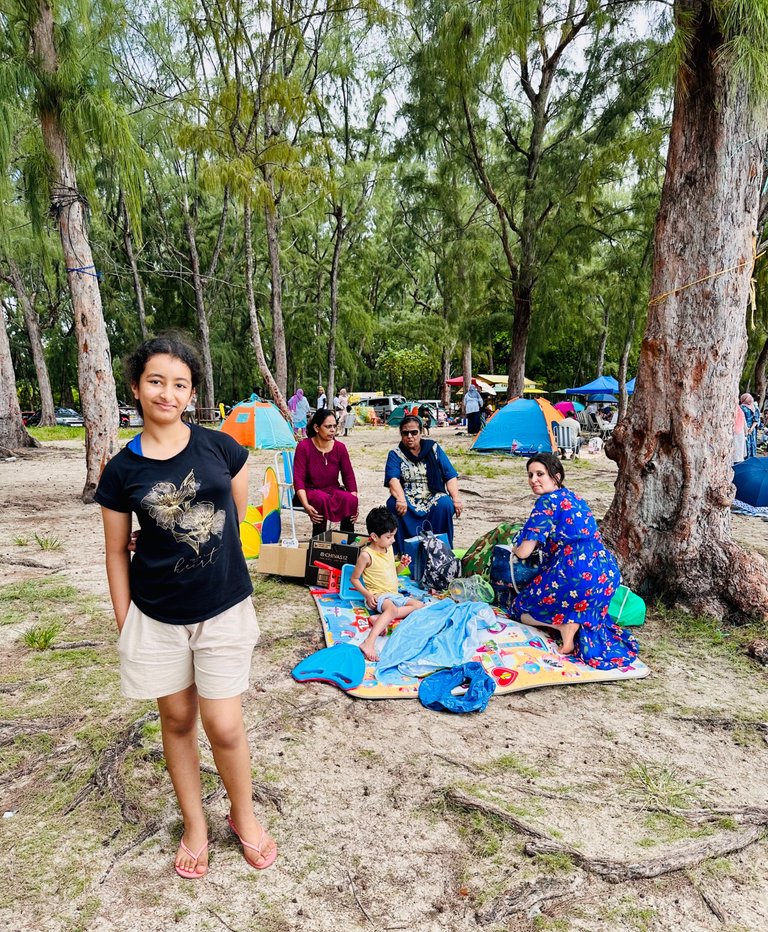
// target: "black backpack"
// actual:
[[438, 567]]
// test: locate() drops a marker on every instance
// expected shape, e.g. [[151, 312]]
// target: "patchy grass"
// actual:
[[662, 786], [74, 433], [511, 763], [48, 542], [555, 863], [40, 637], [664, 827], [40, 600], [21, 541]]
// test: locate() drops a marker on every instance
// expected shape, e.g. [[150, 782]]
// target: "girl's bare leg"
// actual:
[[223, 723], [178, 721]]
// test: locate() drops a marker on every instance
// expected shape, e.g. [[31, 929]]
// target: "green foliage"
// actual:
[[40, 637]]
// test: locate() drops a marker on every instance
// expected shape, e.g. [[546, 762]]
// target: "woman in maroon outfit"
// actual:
[[318, 463]]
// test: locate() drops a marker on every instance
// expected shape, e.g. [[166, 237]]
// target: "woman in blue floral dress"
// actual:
[[578, 575]]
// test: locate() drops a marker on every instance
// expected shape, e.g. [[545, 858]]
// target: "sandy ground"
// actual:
[[362, 796]]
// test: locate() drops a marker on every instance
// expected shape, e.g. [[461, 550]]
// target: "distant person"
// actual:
[[299, 408], [572, 424], [739, 435], [375, 578], [340, 403], [425, 413], [752, 423], [322, 400], [323, 478], [349, 420], [578, 576], [473, 405]]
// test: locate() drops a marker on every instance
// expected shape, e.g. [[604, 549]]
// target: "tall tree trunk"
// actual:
[[603, 342], [445, 372], [258, 346], [276, 297], [208, 400], [122, 217], [338, 212], [466, 365], [94, 370], [760, 364], [13, 434], [669, 521], [521, 327], [32, 322]]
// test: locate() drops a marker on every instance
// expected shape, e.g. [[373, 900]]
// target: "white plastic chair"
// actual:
[[566, 440]]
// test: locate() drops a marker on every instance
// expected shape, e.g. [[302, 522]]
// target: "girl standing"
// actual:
[[578, 575], [183, 602]]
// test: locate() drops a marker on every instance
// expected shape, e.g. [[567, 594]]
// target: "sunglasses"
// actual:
[[410, 433]]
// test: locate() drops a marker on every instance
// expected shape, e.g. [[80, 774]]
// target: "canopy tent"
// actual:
[[604, 384], [523, 427], [611, 399], [258, 424], [502, 381], [484, 387]]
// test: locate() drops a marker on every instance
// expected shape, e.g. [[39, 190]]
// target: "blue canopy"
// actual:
[[604, 384]]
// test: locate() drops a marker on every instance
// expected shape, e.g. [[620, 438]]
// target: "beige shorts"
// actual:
[[158, 659]]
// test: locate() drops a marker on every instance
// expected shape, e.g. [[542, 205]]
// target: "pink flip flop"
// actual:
[[268, 859], [193, 874]]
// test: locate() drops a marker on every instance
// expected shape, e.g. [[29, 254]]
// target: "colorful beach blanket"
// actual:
[[515, 655]]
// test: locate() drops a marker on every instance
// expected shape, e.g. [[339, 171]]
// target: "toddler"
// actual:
[[378, 585]]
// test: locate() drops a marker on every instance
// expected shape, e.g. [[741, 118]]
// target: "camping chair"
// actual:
[[568, 443], [585, 421], [284, 470]]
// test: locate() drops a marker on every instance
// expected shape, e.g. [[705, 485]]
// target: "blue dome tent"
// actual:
[[524, 427]]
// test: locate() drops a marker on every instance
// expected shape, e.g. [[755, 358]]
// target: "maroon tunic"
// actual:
[[318, 474]]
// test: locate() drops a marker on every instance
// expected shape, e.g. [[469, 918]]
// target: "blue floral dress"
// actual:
[[577, 580]]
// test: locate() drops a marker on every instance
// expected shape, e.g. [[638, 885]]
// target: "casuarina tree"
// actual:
[[669, 521]]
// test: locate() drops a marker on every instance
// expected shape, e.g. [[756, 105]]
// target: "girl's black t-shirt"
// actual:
[[189, 563]]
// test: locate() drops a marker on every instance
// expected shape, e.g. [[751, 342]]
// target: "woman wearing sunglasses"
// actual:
[[424, 485]]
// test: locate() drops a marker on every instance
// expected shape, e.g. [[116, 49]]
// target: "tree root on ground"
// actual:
[[106, 778], [74, 645], [31, 563], [679, 858], [529, 897], [11, 730]]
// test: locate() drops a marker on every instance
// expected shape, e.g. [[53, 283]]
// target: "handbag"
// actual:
[[413, 549]]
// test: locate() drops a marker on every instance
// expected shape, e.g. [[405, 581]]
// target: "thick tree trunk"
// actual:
[[762, 359], [208, 399], [276, 297], [122, 216], [669, 521], [258, 346], [13, 434], [94, 370], [338, 214], [466, 365], [32, 322]]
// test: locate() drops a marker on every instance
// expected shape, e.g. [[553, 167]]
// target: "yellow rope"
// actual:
[[739, 265]]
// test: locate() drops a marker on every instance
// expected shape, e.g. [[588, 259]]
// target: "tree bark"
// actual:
[[669, 521], [32, 322], [445, 372], [13, 434], [258, 346], [603, 341], [208, 396], [338, 212], [466, 366], [122, 216], [94, 370]]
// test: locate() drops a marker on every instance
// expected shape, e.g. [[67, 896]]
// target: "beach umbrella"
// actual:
[[565, 407], [751, 481]]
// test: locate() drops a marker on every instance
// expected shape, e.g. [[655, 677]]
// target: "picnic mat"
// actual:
[[515, 655]]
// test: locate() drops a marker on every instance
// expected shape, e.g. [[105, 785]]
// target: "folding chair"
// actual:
[[566, 441], [284, 470]]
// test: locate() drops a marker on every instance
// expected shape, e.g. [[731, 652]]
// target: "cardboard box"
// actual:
[[330, 548], [283, 561]]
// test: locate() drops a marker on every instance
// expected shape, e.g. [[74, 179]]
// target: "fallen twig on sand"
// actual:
[[363, 910], [73, 645], [31, 563], [464, 801], [709, 901], [529, 897]]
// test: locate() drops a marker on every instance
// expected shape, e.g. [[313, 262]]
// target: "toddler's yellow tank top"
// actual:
[[381, 575]]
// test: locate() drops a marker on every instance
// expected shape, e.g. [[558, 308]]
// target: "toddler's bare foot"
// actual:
[[368, 647]]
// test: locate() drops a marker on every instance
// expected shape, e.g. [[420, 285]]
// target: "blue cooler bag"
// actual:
[[510, 575]]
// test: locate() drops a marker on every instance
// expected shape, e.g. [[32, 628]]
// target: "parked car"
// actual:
[[384, 405], [25, 417], [68, 417], [129, 415]]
